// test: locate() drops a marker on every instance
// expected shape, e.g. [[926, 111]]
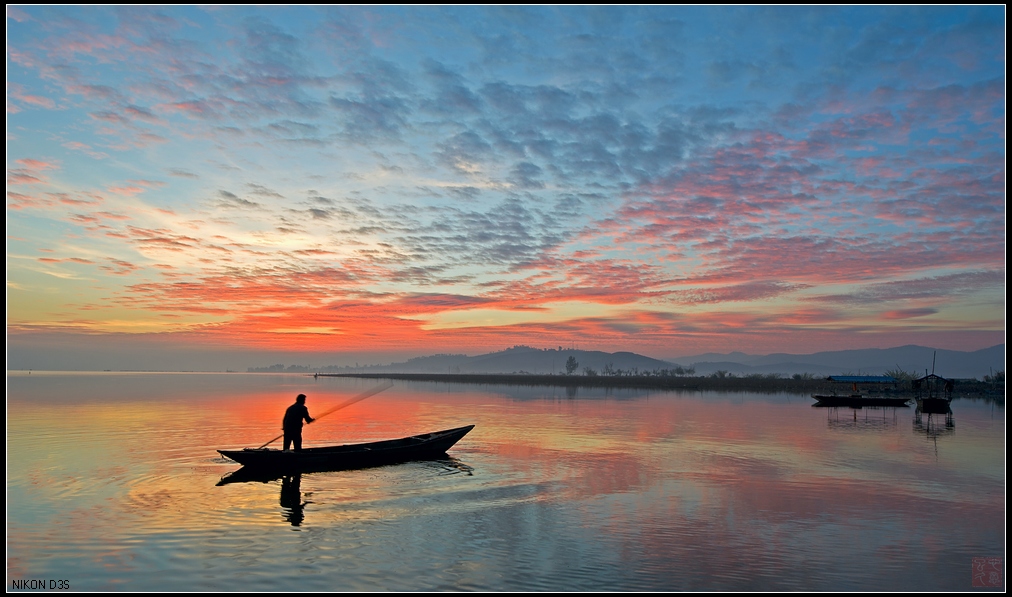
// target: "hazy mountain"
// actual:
[[875, 361], [523, 359], [870, 361]]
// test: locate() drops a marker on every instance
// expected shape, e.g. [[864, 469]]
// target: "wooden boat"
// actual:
[[934, 393], [426, 446], [885, 385], [857, 400]]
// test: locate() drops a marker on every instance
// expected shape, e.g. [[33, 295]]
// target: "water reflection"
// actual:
[[934, 424], [112, 487], [246, 474], [451, 466], [291, 499], [862, 419]]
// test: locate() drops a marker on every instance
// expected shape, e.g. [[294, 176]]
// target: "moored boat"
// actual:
[[933, 393], [425, 446], [856, 400], [884, 384]]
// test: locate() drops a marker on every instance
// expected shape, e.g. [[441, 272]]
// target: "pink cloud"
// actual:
[[68, 200], [129, 190], [147, 183], [139, 113], [86, 149], [908, 313], [18, 92], [22, 176], [112, 216], [119, 267], [22, 201], [30, 173], [66, 260], [749, 291], [36, 164], [85, 219], [194, 107], [17, 14]]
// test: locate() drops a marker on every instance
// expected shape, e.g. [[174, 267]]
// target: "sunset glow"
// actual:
[[204, 187]]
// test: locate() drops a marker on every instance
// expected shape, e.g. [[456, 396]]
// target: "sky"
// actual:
[[211, 187]]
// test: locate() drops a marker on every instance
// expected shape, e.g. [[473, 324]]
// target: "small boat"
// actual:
[[426, 446], [934, 393], [859, 400]]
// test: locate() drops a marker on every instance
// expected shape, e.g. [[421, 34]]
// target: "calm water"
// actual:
[[111, 485]]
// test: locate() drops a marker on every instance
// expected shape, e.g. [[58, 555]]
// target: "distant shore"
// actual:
[[765, 384]]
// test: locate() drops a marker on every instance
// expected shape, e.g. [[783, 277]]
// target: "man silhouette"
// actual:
[[292, 424]]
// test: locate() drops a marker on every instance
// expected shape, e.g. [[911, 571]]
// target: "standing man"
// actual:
[[292, 424]]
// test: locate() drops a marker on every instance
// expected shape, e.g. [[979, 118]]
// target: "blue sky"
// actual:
[[374, 182]]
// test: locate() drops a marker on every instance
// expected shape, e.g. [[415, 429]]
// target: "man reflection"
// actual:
[[291, 498], [292, 423]]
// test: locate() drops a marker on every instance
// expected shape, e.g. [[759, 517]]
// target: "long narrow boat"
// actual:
[[857, 400], [417, 447]]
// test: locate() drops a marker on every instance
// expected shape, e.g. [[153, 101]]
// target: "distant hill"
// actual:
[[525, 359], [872, 361]]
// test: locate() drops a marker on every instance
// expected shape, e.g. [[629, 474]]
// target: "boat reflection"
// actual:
[[248, 474], [934, 423], [291, 499], [868, 418]]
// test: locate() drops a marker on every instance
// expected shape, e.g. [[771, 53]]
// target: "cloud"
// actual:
[[262, 191], [933, 287], [372, 119], [118, 267], [750, 291], [32, 172], [452, 96], [630, 174], [86, 149], [65, 260], [31, 164], [507, 234], [128, 190], [141, 113], [17, 92], [908, 313], [17, 14], [161, 239], [230, 200], [17, 200], [464, 152]]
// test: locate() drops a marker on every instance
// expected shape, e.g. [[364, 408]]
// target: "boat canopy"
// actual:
[[863, 378], [932, 377]]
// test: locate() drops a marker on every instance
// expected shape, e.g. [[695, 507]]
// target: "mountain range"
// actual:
[[872, 361]]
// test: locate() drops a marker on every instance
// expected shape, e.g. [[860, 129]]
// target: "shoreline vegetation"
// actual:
[[728, 383]]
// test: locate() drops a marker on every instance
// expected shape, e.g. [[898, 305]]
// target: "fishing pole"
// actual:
[[348, 402]]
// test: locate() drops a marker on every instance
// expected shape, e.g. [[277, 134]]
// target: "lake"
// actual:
[[112, 486]]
